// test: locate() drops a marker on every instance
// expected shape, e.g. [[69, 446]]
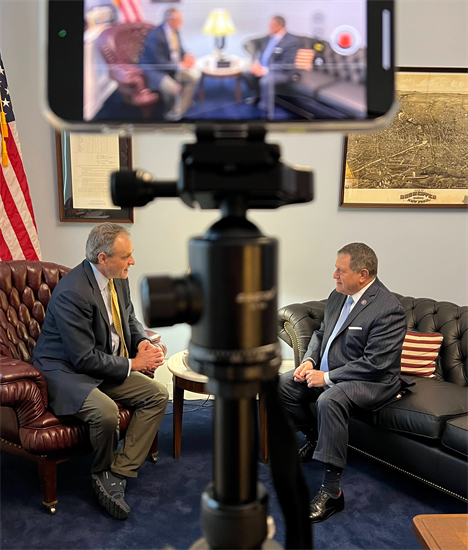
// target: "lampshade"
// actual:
[[219, 23]]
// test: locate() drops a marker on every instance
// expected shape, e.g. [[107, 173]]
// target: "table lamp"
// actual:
[[219, 24]]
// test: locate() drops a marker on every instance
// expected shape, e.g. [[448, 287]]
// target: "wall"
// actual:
[[421, 253]]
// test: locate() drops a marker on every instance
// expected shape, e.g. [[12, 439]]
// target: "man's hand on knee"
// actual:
[[301, 372]]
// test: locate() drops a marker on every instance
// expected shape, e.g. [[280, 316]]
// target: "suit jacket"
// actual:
[[364, 359], [284, 52], [156, 52], [74, 349]]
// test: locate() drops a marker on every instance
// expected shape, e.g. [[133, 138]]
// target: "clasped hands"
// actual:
[[312, 377], [148, 358]]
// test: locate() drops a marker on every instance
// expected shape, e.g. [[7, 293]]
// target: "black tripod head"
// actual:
[[230, 298]]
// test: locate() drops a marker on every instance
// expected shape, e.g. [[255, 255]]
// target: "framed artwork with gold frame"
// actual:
[[421, 159]]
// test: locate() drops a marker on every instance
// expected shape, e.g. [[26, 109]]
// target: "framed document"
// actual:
[[421, 159], [84, 164]]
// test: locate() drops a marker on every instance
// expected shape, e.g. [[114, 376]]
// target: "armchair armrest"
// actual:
[[296, 324], [155, 339], [12, 370]]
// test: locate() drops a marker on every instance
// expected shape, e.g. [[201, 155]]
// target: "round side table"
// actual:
[[186, 379]]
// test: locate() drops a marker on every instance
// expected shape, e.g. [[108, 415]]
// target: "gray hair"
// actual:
[[169, 13], [280, 20], [101, 239], [362, 257]]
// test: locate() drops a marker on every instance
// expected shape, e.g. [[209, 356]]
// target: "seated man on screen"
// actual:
[[93, 350], [352, 364], [169, 69], [271, 52]]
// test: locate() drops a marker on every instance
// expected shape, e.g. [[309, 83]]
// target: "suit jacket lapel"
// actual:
[[98, 297]]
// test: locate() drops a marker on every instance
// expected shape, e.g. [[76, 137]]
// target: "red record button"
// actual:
[[345, 40]]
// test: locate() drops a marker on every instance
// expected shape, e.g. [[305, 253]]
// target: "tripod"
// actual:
[[230, 299]]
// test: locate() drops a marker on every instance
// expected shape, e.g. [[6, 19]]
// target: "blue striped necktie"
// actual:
[[339, 324], [265, 59]]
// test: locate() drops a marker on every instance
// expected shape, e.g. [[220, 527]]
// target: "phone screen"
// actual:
[[224, 61]]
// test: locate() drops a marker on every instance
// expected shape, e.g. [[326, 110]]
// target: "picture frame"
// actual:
[[421, 159], [67, 192]]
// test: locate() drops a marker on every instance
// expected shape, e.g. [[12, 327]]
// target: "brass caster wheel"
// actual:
[[153, 458], [51, 510]]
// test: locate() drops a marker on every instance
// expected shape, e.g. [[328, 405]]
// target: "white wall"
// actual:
[[421, 253]]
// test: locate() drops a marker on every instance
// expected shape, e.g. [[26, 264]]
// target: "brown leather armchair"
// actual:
[[121, 46], [28, 428]]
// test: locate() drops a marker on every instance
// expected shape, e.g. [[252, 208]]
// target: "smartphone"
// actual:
[[293, 64]]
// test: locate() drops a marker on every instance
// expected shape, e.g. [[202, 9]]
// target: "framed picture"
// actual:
[[421, 159], [84, 164]]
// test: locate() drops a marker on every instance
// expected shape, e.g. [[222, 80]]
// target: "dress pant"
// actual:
[[147, 398], [333, 411], [178, 92], [265, 87]]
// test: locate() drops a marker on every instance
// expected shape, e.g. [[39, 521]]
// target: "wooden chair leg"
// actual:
[[48, 476], [178, 409], [263, 427], [153, 454]]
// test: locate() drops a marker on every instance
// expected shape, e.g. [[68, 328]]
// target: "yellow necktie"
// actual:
[[116, 319], [175, 42]]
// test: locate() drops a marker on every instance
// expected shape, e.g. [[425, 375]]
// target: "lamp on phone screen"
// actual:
[[219, 24]]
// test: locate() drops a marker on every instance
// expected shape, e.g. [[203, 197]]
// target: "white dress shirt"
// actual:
[[103, 284]]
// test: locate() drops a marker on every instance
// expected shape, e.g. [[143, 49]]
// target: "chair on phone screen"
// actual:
[[121, 46], [28, 428]]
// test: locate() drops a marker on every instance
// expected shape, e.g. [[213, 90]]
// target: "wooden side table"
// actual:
[[186, 379], [208, 68], [442, 531]]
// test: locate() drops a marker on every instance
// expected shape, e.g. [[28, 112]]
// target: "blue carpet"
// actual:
[[219, 104], [165, 501]]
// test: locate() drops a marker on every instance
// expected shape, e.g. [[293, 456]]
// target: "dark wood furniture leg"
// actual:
[[48, 476]]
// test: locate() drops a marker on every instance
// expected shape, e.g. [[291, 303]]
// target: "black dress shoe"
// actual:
[[323, 506], [110, 490], [307, 451]]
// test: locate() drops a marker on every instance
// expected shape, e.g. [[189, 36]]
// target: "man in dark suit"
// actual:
[[273, 63], [352, 363], [169, 69], [93, 350]]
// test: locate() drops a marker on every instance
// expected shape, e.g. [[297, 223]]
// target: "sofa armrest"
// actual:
[[296, 324]]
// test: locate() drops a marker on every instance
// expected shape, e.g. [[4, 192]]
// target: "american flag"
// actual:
[[130, 10], [18, 231]]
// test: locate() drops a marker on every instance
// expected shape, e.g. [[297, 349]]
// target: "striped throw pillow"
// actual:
[[420, 352]]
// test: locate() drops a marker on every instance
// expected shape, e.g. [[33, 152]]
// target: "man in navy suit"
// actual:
[[93, 350], [273, 63], [169, 69], [352, 364]]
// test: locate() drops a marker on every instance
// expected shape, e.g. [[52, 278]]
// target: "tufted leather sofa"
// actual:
[[424, 434], [28, 428], [335, 88]]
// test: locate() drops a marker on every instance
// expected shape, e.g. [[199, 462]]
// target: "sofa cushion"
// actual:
[[420, 352], [425, 408], [456, 435]]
